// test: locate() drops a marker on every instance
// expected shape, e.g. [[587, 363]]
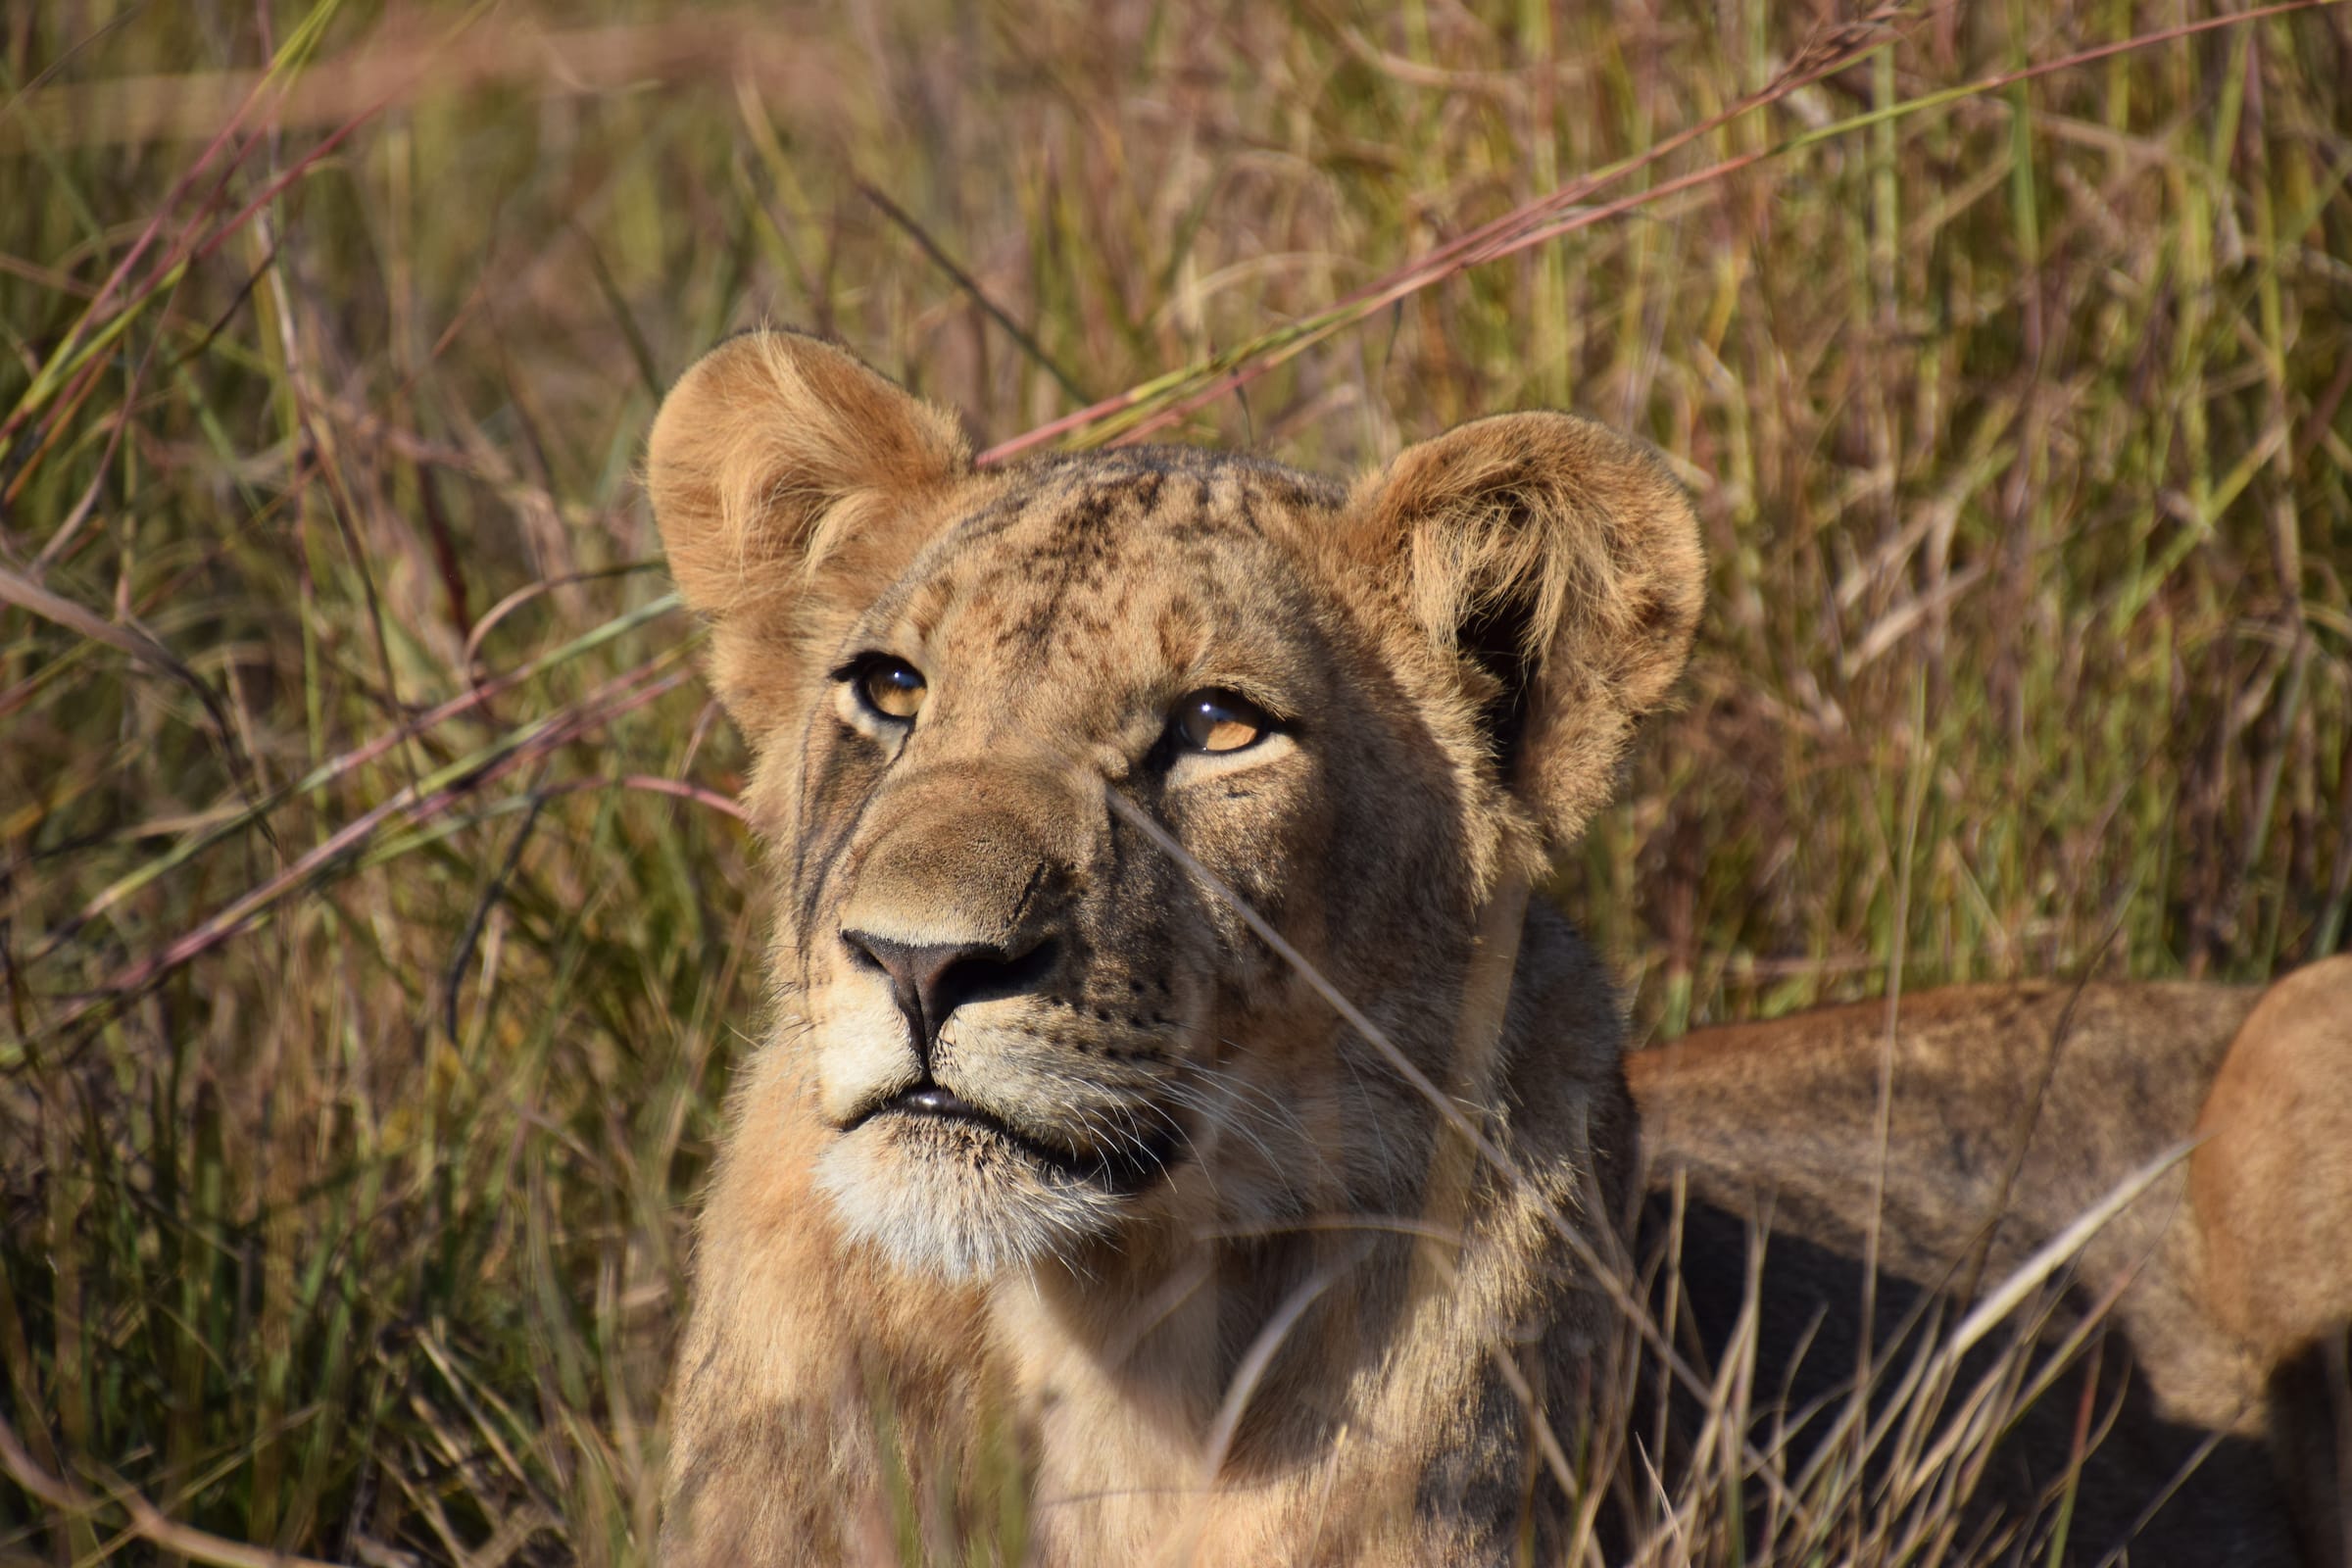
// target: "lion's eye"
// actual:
[[891, 687], [1217, 721]]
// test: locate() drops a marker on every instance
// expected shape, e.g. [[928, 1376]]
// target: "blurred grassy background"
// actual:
[[374, 933]]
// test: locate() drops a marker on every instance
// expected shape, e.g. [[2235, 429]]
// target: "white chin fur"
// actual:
[[953, 1216]]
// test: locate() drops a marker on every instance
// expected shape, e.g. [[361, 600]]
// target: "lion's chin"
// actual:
[[955, 1201]]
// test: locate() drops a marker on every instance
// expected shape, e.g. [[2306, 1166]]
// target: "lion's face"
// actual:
[[1026, 1026], [1025, 1020]]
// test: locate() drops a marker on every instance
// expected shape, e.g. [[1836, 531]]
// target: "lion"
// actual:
[[1179, 1136], [2007, 1113]]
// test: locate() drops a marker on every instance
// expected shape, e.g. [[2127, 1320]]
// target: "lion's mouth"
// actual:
[[1124, 1167]]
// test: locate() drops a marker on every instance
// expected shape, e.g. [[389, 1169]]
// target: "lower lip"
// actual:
[[942, 1106]]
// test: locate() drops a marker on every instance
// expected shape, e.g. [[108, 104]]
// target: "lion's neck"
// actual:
[[1151, 1379]]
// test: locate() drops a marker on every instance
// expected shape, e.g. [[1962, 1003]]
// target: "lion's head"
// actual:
[[1026, 1028]]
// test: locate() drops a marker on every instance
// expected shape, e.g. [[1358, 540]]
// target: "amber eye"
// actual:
[[1217, 721], [891, 687]]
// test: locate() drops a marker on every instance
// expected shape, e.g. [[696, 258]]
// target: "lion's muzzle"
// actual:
[[1000, 1086]]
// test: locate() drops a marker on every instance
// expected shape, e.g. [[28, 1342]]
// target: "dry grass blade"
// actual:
[[2055, 1254], [30, 596], [147, 1522], [406, 64]]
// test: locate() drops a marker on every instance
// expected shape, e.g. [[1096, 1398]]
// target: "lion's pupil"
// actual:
[[894, 689]]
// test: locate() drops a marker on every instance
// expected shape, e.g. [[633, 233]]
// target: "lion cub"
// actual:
[[1043, 1126], [1178, 1138]]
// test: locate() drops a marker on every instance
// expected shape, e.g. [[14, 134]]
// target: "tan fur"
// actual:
[[2271, 1183], [2271, 1188], [1237, 1293], [1185, 1256]]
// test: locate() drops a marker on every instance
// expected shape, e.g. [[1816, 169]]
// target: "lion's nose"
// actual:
[[929, 980]]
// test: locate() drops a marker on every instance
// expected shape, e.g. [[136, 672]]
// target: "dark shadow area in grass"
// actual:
[[2226, 1508]]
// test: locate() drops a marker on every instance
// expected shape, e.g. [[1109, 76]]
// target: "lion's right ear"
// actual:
[[779, 463]]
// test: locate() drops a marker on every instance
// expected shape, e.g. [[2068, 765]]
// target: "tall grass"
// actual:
[[374, 931]]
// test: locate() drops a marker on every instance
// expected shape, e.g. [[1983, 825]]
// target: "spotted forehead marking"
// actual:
[[1058, 562]]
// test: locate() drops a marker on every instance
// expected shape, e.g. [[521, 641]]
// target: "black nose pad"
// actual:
[[931, 980]]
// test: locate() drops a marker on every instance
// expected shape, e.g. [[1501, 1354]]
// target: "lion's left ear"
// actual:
[[1560, 562]]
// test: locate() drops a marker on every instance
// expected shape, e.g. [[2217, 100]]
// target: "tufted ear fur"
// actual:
[[1560, 562], [784, 473]]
